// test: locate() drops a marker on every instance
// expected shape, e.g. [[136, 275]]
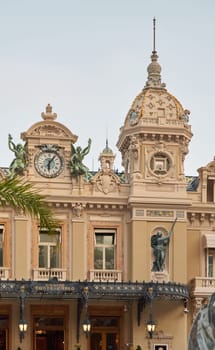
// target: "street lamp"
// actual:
[[150, 324], [23, 326], [86, 324], [22, 323]]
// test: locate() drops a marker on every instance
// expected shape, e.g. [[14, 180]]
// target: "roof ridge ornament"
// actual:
[[154, 68], [48, 115], [154, 32], [107, 149]]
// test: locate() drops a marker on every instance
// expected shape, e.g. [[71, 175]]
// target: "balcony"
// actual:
[[105, 275], [46, 274], [202, 286], [4, 273]]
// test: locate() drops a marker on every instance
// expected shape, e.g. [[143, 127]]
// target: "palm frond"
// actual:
[[21, 196]]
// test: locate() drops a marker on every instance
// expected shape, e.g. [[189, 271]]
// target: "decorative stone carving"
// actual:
[[197, 305], [48, 130], [48, 115], [160, 163], [134, 154], [106, 181], [78, 209], [160, 145], [160, 213]]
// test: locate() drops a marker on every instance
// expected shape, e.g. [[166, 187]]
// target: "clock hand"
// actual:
[[50, 161]]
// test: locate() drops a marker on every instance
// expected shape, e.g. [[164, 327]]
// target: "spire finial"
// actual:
[[154, 69], [48, 115], [154, 32]]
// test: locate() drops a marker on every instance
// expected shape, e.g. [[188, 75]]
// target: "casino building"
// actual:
[[133, 250]]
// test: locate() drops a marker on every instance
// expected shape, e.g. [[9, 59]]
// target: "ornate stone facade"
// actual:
[[103, 241]]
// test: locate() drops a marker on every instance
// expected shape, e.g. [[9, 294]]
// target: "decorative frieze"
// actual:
[[160, 213]]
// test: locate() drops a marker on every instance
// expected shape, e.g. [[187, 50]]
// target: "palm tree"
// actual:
[[21, 196]]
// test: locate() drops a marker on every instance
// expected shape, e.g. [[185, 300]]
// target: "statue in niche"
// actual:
[[19, 163], [202, 335], [159, 244], [77, 167], [134, 148]]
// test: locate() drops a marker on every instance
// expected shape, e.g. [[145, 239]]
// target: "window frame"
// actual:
[[105, 225], [2, 245], [104, 246], [49, 246], [6, 224], [210, 265]]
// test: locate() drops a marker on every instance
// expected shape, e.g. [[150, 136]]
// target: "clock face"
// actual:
[[48, 163]]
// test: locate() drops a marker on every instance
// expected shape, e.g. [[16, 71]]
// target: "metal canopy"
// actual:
[[97, 290], [142, 292]]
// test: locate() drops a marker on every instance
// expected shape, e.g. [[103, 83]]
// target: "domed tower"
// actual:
[[106, 158], [154, 139]]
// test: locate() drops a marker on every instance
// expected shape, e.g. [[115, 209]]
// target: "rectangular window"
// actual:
[[1, 245], [210, 265], [49, 249], [104, 249], [210, 190]]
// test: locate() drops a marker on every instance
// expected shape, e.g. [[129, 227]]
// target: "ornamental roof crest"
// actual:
[[49, 127]]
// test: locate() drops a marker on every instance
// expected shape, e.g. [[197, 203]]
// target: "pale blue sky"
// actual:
[[88, 59]]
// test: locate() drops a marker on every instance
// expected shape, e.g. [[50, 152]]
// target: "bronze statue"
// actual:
[[202, 335], [76, 161], [159, 244], [18, 164]]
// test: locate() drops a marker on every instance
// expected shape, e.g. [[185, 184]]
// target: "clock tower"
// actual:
[[49, 148]]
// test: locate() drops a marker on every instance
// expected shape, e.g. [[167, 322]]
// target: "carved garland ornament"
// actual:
[[49, 130]]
